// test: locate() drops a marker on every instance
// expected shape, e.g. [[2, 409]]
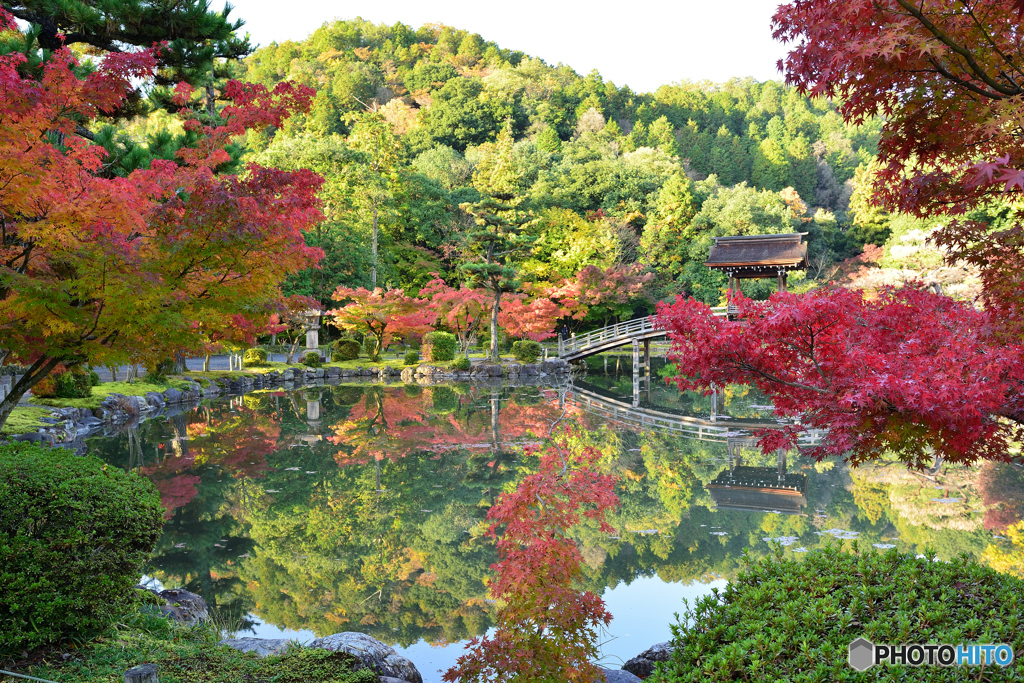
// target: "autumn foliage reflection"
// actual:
[[547, 627]]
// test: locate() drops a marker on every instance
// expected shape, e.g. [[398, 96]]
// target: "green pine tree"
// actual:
[[492, 247], [196, 36]]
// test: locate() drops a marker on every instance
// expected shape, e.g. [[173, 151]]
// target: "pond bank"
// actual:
[[67, 426]]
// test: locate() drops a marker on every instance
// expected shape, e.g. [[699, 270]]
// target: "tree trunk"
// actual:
[[38, 370], [373, 262], [206, 363], [494, 326]]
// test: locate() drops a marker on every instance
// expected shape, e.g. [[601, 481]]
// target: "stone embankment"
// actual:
[[68, 427]]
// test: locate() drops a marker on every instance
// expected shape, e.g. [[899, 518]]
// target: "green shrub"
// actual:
[[64, 383], [412, 357], [254, 358], [94, 378], [74, 537], [526, 351], [789, 619], [311, 359], [461, 363], [75, 383], [344, 349], [439, 346]]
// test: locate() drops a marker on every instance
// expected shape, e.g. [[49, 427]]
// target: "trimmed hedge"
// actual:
[[344, 349], [75, 535], [461, 363], [526, 351], [786, 619], [412, 357], [254, 358], [311, 359], [439, 346]]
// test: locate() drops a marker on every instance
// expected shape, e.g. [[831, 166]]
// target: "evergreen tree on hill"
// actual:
[[196, 36]]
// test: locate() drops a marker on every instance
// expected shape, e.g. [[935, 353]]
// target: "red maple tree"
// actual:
[[947, 79], [909, 371], [101, 269]]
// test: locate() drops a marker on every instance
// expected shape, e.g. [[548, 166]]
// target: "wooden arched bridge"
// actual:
[[633, 332]]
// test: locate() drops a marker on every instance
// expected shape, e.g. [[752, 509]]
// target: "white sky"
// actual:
[[641, 43]]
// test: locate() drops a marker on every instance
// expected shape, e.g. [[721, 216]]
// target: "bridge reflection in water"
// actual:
[[738, 487]]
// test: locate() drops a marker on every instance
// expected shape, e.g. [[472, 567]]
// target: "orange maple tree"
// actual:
[[381, 314], [97, 269]]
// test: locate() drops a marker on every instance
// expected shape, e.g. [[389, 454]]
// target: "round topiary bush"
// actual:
[[439, 346], [526, 351], [345, 349], [461, 363], [74, 537], [311, 359], [254, 358], [412, 357], [794, 619]]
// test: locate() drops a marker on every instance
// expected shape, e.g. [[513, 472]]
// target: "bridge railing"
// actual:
[[624, 330], [689, 427]]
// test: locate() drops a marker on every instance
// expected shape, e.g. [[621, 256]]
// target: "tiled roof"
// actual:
[[758, 250]]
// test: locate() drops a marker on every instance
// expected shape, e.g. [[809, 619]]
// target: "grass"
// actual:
[[104, 389], [189, 655], [23, 420]]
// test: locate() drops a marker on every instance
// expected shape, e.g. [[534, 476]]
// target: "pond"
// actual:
[[360, 507]]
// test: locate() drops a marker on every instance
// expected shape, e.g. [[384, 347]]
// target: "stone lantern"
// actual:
[[312, 326]]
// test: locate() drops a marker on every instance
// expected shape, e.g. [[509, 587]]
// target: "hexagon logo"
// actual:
[[862, 654]]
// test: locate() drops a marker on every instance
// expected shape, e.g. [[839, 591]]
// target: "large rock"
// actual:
[[155, 400], [264, 647], [172, 395], [618, 676], [187, 607], [643, 664], [372, 654]]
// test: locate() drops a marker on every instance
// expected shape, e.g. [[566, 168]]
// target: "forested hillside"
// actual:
[[404, 118]]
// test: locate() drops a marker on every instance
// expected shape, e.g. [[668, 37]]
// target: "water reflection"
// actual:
[[765, 489], [361, 507]]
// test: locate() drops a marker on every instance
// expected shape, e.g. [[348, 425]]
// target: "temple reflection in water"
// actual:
[[762, 489]]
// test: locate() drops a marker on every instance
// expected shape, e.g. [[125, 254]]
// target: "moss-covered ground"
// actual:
[[104, 389], [24, 419], [186, 655]]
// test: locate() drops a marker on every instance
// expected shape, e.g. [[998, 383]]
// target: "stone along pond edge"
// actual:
[[69, 427]]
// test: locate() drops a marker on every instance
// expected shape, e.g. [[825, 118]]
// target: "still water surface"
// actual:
[[360, 507]]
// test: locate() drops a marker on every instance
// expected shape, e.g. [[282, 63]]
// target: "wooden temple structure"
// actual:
[[758, 256]]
